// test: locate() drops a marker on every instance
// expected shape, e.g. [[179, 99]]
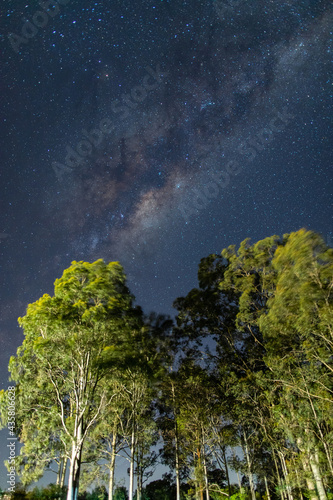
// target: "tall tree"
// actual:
[[298, 337], [74, 341], [265, 311]]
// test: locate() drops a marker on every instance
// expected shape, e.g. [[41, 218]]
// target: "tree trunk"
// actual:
[[59, 473], [322, 437], [226, 469], [63, 473], [282, 494], [176, 443], [298, 481], [204, 465], [199, 482], [309, 482], [286, 477], [314, 464], [139, 473], [131, 482], [267, 490], [239, 484], [250, 475], [328, 455], [206, 479], [74, 473], [307, 470], [196, 481], [177, 460], [112, 464]]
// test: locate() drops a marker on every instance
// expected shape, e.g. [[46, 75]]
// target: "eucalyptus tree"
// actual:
[[169, 396], [194, 423], [299, 342], [74, 341], [174, 452], [43, 449], [106, 441], [220, 318], [138, 384], [265, 311]]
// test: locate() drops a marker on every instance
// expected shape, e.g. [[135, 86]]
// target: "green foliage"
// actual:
[[161, 489], [249, 365], [267, 311], [98, 493], [74, 342], [120, 493], [239, 496], [50, 492]]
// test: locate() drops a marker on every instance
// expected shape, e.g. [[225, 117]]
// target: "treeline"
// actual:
[[242, 382], [160, 489], [55, 492]]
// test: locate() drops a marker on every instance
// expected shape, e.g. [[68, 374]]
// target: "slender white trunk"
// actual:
[[286, 476], [112, 464], [309, 482], [75, 463], [74, 473], [204, 465], [62, 471], [70, 494], [139, 474], [206, 482], [314, 464], [248, 461], [307, 470], [59, 473], [322, 437], [267, 490], [111, 483], [282, 494], [239, 483], [177, 461], [197, 483], [328, 455], [200, 468], [131, 482]]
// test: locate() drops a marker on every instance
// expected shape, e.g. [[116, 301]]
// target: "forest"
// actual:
[[233, 397]]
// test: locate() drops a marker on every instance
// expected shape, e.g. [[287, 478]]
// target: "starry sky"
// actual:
[[156, 133]]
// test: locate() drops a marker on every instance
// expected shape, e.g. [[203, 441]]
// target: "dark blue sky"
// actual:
[[156, 133]]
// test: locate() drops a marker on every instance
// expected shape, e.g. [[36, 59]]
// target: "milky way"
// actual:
[[156, 134], [174, 109], [215, 87]]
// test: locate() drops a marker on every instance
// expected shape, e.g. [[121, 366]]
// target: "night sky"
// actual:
[[156, 133]]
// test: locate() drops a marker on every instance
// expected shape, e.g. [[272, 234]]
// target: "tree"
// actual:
[[74, 341], [299, 340], [106, 440], [219, 318], [168, 405], [128, 427], [140, 386], [263, 316]]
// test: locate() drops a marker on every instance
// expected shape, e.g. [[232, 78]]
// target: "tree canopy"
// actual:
[[241, 383]]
